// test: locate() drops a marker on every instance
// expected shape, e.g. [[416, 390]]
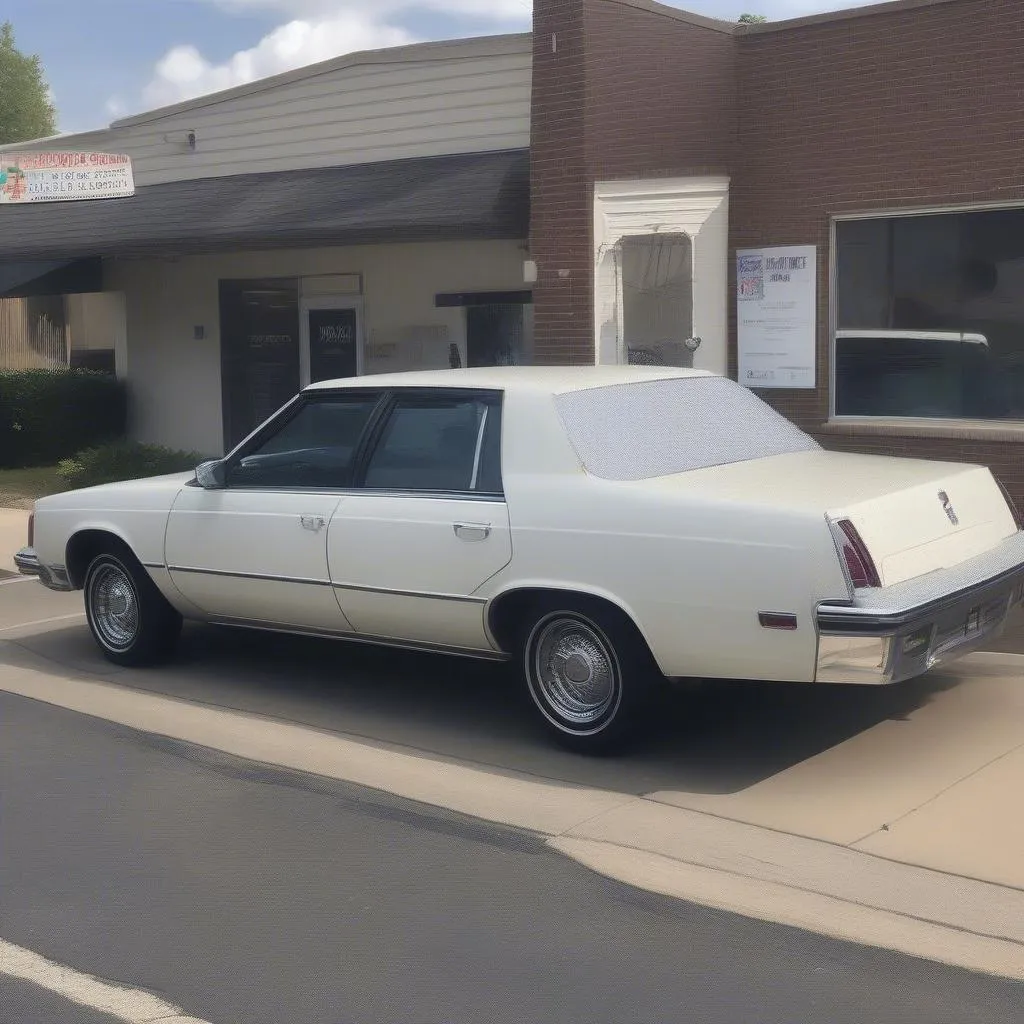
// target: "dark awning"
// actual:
[[480, 195], [19, 278]]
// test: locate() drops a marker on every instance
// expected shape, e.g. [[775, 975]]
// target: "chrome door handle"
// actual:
[[314, 523], [472, 531]]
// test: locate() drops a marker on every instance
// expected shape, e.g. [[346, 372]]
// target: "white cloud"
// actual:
[[498, 10], [320, 29], [183, 72]]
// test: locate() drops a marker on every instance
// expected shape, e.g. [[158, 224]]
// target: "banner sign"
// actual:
[[63, 177], [776, 314]]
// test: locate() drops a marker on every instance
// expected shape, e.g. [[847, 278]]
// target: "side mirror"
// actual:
[[211, 476]]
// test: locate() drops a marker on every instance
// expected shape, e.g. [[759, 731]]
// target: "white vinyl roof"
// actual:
[[552, 380]]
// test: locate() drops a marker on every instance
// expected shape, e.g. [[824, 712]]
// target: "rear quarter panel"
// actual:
[[693, 573]]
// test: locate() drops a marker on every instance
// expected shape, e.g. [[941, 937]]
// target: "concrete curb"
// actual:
[[745, 869]]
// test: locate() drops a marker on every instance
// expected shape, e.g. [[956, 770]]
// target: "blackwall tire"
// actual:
[[590, 676], [129, 618]]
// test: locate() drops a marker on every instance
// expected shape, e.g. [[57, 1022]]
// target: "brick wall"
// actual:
[[560, 189], [915, 105], [628, 89]]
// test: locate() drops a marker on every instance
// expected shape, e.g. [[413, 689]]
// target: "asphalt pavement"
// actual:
[[248, 894]]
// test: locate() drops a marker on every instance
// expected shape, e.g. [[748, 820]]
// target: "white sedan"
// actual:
[[608, 527]]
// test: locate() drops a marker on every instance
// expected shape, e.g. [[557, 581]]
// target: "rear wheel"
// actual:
[[130, 619], [589, 674]]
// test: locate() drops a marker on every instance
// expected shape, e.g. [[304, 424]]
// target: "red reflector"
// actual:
[[777, 620], [859, 563], [31, 529]]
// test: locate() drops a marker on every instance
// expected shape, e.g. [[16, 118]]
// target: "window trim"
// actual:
[[968, 429], [490, 396]]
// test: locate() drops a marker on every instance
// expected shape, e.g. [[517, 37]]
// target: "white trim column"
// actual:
[[695, 207]]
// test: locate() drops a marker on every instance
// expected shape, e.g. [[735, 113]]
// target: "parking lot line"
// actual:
[[18, 579], [42, 622], [126, 1004]]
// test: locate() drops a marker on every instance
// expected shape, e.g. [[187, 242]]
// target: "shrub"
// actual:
[[47, 415], [125, 460]]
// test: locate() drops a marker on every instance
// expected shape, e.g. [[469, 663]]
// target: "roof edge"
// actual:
[[871, 10], [61, 139], [472, 46], [676, 14]]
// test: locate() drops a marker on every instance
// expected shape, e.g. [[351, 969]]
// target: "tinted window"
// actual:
[[956, 274], [315, 448], [438, 444]]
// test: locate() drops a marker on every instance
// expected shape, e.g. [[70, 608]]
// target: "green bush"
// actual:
[[47, 415], [124, 460]]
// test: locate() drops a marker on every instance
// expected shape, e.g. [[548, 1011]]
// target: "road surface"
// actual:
[[249, 895]]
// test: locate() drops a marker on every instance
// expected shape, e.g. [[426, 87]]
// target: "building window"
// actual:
[[930, 316]]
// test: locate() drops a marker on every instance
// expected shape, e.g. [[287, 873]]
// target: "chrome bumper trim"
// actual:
[[54, 577], [27, 562], [879, 640]]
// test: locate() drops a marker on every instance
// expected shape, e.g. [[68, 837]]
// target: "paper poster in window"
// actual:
[[776, 316]]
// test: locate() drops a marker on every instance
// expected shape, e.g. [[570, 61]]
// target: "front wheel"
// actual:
[[128, 616], [590, 675]]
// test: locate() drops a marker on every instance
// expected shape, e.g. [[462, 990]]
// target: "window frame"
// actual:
[[286, 415], [981, 428], [493, 398]]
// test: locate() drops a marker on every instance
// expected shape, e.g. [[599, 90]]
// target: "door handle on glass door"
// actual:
[[472, 531], [314, 523]]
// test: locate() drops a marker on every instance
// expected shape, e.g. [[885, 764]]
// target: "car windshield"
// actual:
[[656, 428]]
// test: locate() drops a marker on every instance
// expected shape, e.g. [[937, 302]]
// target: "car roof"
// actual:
[[552, 380]]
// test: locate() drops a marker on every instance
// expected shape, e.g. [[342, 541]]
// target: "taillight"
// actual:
[[31, 529], [859, 564]]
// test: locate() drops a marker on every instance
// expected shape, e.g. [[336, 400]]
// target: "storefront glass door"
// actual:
[[259, 333], [331, 339]]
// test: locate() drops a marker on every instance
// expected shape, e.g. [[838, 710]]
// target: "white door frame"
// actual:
[[328, 302]]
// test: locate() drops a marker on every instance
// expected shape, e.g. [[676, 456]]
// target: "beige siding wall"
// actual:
[[464, 97], [175, 379]]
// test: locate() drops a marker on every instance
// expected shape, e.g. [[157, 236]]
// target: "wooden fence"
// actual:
[[29, 340]]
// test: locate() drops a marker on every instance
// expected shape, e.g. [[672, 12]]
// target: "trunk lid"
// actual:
[[914, 516]]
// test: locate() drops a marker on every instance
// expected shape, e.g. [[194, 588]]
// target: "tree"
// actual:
[[752, 19], [25, 108]]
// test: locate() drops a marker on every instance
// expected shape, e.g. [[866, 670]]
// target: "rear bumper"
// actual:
[[895, 633], [53, 576]]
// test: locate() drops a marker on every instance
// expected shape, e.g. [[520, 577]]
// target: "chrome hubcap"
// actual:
[[574, 670], [115, 608]]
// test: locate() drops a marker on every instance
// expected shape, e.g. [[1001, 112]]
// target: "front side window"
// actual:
[[930, 316], [439, 443], [314, 448]]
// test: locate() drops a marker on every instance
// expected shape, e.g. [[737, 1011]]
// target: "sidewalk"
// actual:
[[13, 536], [881, 898]]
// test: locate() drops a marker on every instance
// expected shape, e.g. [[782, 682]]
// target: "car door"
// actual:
[[255, 550], [409, 548]]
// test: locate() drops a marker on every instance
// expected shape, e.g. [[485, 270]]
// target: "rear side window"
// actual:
[[656, 428], [439, 443]]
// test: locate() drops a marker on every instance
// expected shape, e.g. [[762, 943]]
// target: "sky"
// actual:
[[106, 59]]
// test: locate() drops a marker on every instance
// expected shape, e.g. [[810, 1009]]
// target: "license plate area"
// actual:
[[978, 622]]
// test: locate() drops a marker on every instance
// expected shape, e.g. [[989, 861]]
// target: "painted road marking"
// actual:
[[127, 1004], [18, 579], [43, 622]]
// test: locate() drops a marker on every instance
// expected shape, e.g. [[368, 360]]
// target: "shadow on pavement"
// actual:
[[719, 738]]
